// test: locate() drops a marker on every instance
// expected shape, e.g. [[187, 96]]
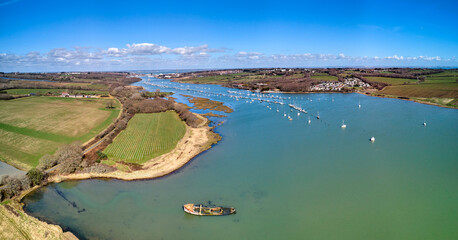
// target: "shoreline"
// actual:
[[194, 142], [408, 99], [358, 91]]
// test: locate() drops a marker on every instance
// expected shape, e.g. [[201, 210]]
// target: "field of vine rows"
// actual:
[[147, 136]]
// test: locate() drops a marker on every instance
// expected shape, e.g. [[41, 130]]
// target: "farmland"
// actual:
[[147, 136], [392, 81], [323, 77], [34, 126], [54, 91], [440, 88]]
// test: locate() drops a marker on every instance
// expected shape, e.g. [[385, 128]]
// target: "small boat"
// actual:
[[372, 139], [343, 124], [201, 210]]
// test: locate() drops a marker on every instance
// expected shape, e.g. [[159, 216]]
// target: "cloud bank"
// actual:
[[153, 56]]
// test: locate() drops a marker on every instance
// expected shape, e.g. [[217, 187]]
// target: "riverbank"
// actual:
[[16, 224], [417, 100], [194, 142]]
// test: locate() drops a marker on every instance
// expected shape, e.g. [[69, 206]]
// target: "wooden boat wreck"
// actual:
[[201, 210]]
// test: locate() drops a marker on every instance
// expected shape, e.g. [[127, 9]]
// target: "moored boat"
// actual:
[[201, 210]]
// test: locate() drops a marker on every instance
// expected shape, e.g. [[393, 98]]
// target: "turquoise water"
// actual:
[[287, 179]]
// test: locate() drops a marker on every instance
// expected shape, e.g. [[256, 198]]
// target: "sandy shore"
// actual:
[[16, 224], [195, 141]]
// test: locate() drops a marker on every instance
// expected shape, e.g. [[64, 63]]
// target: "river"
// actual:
[[287, 179]]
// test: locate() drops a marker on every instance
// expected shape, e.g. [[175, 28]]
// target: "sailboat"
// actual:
[[343, 124]]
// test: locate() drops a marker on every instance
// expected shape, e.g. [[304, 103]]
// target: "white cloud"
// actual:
[[153, 56], [146, 49]]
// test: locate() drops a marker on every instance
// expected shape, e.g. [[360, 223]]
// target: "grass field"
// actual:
[[33, 126], [147, 136], [426, 90], [53, 85], [449, 76], [54, 91], [323, 77], [392, 81]]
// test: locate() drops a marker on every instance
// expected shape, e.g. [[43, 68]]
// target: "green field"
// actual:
[[222, 78], [392, 81], [440, 88], [54, 91], [33, 126], [425, 90], [323, 77], [449, 76], [147, 136]]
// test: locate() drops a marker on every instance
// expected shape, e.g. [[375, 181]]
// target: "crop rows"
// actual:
[[147, 136]]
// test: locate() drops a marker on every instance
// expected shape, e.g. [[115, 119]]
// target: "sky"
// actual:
[[98, 35]]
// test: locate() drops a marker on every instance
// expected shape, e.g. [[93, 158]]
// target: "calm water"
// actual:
[[287, 179], [6, 169]]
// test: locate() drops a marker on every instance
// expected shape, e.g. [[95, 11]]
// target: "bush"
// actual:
[[46, 162], [101, 155], [35, 176], [11, 187], [69, 156]]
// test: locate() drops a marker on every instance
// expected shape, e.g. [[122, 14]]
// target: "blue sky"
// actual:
[[126, 35]]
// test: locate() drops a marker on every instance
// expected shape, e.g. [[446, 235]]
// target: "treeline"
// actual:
[[14, 186], [67, 159], [92, 80], [377, 85], [411, 71], [134, 102], [70, 77]]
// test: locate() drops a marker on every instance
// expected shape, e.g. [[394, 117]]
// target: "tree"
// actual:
[[69, 156], [101, 156], [110, 104], [36, 176], [46, 162], [136, 96]]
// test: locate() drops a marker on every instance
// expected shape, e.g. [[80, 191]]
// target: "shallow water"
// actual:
[[6, 169], [287, 179]]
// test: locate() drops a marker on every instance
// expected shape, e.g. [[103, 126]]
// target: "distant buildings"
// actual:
[[66, 94], [338, 86]]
